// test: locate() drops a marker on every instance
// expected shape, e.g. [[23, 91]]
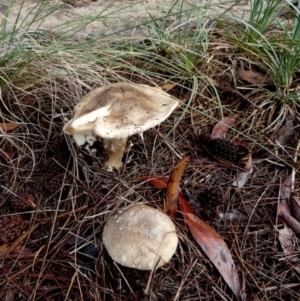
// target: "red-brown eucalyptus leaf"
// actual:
[[213, 246], [221, 127], [158, 182], [216, 250], [173, 186], [184, 205]]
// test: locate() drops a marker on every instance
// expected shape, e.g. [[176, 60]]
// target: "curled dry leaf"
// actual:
[[254, 78], [243, 176], [295, 208], [291, 222], [8, 127], [285, 189], [247, 215], [284, 134], [173, 185], [226, 88], [221, 127], [285, 234]]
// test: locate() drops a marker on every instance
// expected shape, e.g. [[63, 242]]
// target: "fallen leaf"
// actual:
[[285, 235], [285, 188], [173, 186], [295, 208], [225, 88], [184, 205], [283, 135], [221, 127], [7, 127], [216, 250], [168, 86], [254, 78], [158, 182], [291, 222], [243, 176], [213, 246]]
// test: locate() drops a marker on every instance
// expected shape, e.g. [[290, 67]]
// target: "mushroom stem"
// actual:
[[115, 149]]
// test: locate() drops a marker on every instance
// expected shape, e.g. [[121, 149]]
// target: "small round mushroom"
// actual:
[[115, 112], [140, 237]]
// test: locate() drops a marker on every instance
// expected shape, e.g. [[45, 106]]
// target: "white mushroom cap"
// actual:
[[120, 110], [140, 237]]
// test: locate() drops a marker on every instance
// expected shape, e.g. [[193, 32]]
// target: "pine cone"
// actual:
[[220, 148], [225, 150], [58, 182], [23, 200], [11, 227], [59, 145], [57, 163], [61, 155], [212, 196]]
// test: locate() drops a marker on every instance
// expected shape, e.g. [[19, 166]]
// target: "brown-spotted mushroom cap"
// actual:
[[117, 111], [140, 237]]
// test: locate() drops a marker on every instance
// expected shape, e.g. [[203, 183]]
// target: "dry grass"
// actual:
[[63, 257]]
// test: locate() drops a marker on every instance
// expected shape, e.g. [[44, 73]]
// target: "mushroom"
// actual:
[[115, 112], [140, 237]]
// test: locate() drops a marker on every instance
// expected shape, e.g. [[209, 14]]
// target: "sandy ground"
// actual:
[[108, 16]]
